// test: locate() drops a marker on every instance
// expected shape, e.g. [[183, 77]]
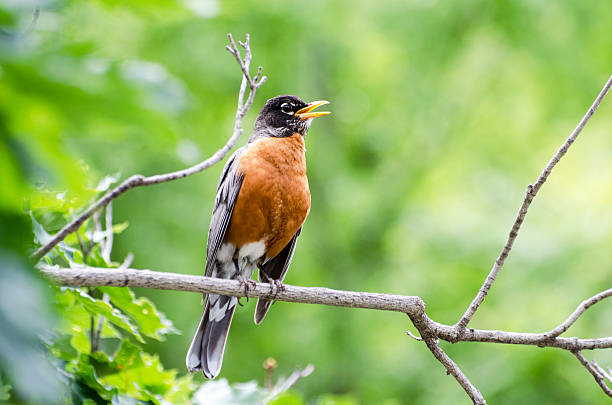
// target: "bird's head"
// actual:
[[285, 115]]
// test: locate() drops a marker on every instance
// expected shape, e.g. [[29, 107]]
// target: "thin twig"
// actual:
[[127, 262], [596, 375], [138, 180], [92, 334], [98, 335], [415, 337], [447, 333], [532, 191], [453, 369], [284, 384], [108, 233], [604, 373], [584, 305], [84, 248]]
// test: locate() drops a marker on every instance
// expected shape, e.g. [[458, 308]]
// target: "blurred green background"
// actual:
[[442, 113]]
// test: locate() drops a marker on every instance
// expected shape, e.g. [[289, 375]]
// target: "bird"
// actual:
[[261, 203]]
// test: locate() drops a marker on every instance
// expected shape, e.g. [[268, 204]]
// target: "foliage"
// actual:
[[98, 344], [442, 112]]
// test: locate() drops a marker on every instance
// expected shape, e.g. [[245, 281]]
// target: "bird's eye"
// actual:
[[286, 108]]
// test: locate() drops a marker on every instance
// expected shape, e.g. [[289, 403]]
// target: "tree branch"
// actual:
[[95, 276], [532, 191], [429, 336], [138, 180], [599, 378], [584, 305], [413, 306]]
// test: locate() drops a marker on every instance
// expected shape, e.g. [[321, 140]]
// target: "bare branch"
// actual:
[[94, 276], [411, 305], [596, 375], [532, 191], [606, 374], [428, 335], [455, 371], [448, 333], [584, 305], [138, 180]]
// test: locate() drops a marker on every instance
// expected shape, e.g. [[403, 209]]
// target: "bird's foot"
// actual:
[[276, 286], [248, 285]]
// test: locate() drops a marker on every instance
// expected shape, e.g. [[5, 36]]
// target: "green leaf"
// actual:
[[150, 320], [118, 228], [127, 400], [126, 354], [85, 373], [67, 253], [76, 322], [41, 236], [288, 398], [143, 377], [181, 390], [63, 348], [82, 394], [111, 314], [5, 391]]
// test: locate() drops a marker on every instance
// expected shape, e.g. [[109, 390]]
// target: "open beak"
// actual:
[[305, 113]]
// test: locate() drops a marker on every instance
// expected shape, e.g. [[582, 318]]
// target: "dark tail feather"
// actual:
[[195, 350], [261, 310], [208, 345]]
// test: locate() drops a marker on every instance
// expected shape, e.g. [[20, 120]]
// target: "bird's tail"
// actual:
[[261, 310], [208, 345]]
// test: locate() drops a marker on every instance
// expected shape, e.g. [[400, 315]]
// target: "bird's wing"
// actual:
[[227, 193], [275, 269]]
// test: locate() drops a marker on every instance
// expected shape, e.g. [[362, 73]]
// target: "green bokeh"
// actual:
[[442, 113]]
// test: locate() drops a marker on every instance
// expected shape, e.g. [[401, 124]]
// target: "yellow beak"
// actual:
[[305, 113]]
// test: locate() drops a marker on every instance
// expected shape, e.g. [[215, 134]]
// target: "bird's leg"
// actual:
[[279, 286], [245, 268], [247, 284], [274, 285]]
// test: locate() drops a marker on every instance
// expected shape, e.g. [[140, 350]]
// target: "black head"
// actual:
[[285, 115]]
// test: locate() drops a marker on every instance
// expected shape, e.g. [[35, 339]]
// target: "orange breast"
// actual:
[[274, 199]]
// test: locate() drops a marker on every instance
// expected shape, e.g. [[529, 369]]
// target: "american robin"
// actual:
[[262, 201]]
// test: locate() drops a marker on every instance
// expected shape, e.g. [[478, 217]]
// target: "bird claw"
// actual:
[[276, 286], [247, 284]]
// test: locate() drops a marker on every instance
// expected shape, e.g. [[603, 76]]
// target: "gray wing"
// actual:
[[227, 193], [275, 269]]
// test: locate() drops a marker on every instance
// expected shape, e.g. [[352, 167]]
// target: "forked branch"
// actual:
[[138, 180], [532, 191], [413, 306]]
